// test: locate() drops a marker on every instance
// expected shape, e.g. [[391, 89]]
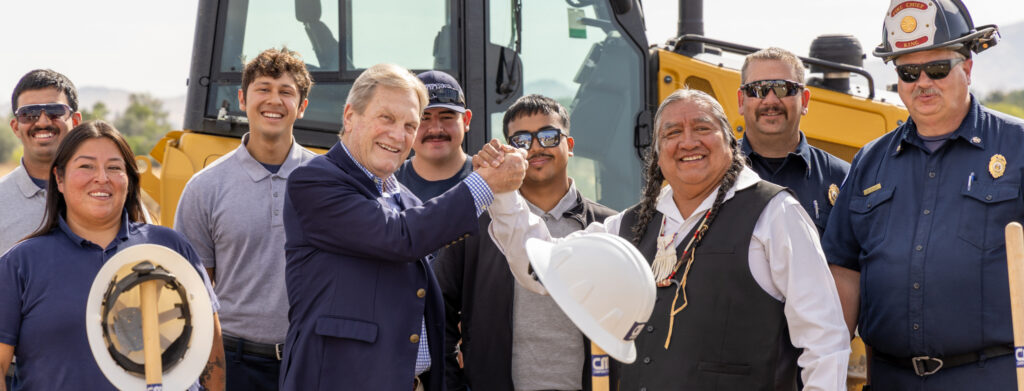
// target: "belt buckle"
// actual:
[[920, 365], [278, 348]]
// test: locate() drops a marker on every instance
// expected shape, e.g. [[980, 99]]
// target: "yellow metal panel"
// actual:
[[172, 162], [836, 122]]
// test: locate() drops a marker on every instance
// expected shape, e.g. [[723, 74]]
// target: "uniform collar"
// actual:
[[803, 151], [969, 132], [255, 169], [122, 233], [24, 182]]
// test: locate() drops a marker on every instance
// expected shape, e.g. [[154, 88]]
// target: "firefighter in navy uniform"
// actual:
[[915, 239]]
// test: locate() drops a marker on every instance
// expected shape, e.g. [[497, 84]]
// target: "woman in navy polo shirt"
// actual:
[[93, 210]]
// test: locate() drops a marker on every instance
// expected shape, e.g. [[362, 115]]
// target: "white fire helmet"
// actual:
[[602, 283], [916, 25]]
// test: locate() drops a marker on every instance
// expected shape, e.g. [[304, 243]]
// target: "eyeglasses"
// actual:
[[29, 114], [446, 95], [782, 88], [548, 137], [935, 70]]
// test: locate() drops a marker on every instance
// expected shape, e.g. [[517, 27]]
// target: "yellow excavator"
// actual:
[[591, 55]]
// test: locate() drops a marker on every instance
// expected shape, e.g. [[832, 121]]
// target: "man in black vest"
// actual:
[[725, 318]]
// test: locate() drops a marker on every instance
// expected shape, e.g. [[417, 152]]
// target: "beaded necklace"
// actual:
[[666, 253]]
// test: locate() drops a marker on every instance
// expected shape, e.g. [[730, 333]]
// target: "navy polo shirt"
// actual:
[[809, 172], [44, 285], [925, 230]]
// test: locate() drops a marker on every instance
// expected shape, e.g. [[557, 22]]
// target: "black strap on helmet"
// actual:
[[142, 272]]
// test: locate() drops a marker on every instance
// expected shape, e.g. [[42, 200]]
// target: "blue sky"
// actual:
[[145, 45]]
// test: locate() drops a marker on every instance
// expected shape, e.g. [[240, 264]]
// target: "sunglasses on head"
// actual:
[[935, 70], [29, 114], [548, 137], [446, 95], [782, 88]]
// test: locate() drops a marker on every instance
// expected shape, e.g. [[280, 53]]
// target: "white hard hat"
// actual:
[[602, 283], [113, 325]]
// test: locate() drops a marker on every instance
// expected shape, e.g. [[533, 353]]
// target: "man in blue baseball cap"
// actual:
[[439, 162]]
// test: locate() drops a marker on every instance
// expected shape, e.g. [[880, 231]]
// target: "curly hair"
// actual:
[[273, 63]]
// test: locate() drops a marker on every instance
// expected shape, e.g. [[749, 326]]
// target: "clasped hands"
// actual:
[[503, 167]]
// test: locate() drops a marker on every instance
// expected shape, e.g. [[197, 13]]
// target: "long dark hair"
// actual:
[[55, 204], [654, 177]]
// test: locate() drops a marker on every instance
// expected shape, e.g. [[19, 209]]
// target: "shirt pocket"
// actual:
[[869, 217], [985, 211]]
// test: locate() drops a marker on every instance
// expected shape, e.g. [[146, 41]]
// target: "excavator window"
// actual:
[[337, 39], [574, 52]]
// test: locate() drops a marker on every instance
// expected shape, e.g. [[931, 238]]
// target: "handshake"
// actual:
[[503, 167]]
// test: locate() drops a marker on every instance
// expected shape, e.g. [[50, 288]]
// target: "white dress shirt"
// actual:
[[785, 260]]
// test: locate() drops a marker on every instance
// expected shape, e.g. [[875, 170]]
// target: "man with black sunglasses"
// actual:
[[439, 161], [514, 339], [772, 100], [916, 240], [45, 105]]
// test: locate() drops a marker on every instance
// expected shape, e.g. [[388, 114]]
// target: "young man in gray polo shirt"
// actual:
[[45, 105], [231, 212], [514, 339]]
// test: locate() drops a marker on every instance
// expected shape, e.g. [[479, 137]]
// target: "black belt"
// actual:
[[926, 365], [267, 350]]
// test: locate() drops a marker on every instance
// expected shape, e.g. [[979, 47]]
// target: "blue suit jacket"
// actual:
[[358, 286]]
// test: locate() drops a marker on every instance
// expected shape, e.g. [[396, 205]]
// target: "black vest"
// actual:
[[732, 334]]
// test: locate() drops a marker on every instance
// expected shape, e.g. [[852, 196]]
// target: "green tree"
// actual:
[[99, 111], [9, 144], [143, 123], [1011, 102]]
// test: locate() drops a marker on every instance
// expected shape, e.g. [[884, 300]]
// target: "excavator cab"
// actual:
[[591, 55]]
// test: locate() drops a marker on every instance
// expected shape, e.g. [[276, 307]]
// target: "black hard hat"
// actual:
[[912, 26]]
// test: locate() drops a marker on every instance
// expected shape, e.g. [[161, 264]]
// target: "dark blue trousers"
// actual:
[[247, 372]]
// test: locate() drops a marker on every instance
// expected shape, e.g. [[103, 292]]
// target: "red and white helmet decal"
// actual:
[[910, 24]]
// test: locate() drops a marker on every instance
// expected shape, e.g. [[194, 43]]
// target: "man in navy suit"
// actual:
[[366, 312]]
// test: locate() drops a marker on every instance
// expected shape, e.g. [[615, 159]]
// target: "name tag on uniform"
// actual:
[[872, 189]]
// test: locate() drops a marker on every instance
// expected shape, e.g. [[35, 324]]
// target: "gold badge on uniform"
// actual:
[[997, 165], [833, 193]]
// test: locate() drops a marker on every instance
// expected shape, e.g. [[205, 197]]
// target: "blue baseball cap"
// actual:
[[444, 91]]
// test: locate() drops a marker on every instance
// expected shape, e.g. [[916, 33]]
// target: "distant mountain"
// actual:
[[117, 101], [999, 68], [996, 69]]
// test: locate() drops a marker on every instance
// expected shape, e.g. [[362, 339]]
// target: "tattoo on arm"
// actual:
[[211, 366]]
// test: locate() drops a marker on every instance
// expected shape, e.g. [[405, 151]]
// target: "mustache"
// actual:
[[51, 128], [541, 154], [436, 136], [780, 108], [930, 91]]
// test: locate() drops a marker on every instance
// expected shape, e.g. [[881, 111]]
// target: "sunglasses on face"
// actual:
[[782, 88], [29, 114], [548, 137], [446, 95], [935, 70]]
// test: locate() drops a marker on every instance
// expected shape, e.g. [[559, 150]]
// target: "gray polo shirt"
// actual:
[[23, 207], [231, 212], [547, 348]]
